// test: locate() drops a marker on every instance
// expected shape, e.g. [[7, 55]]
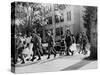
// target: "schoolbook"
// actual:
[[48, 37]]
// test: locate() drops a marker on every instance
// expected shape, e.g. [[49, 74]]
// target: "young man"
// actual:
[[50, 42], [68, 41], [36, 46]]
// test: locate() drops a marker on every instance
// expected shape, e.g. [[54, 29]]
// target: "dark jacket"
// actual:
[[68, 40], [49, 40], [84, 39], [80, 41], [35, 40]]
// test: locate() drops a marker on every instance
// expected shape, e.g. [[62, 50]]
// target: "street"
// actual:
[[60, 63]]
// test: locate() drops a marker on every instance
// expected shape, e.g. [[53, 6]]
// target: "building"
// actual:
[[68, 17]]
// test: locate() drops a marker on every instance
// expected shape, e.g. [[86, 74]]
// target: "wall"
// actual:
[[76, 13]]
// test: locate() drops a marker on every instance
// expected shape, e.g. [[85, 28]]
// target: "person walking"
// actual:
[[80, 42], [36, 46], [19, 48], [40, 44], [68, 41], [73, 45], [50, 42], [85, 41]]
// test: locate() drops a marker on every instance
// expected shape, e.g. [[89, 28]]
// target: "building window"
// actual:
[[49, 20], [56, 19], [69, 16], [62, 18], [59, 7], [59, 31], [59, 18]]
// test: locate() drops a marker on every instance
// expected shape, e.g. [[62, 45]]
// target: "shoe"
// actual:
[[33, 59], [79, 52], [39, 59], [23, 62], [72, 53], [48, 58], [27, 59], [67, 54]]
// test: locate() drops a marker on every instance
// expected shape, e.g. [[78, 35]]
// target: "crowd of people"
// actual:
[[29, 47]]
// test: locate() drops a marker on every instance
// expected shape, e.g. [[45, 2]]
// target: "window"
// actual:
[[59, 18], [69, 16], [49, 20], [56, 19], [59, 31], [59, 7], [62, 18]]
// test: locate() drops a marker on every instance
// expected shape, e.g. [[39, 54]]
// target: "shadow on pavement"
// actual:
[[90, 58], [77, 65]]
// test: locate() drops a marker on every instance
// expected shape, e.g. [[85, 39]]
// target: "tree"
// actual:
[[28, 16], [90, 23], [89, 14]]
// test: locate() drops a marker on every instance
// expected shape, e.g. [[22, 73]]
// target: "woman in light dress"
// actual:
[[73, 45], [27, 51]]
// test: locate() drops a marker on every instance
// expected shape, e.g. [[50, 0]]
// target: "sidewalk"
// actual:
[[92, 65], [43, 59], [62, 63], [81, 65]]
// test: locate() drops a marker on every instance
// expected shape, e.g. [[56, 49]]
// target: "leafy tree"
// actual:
[[28, 16], [88, 17], [90, 20]]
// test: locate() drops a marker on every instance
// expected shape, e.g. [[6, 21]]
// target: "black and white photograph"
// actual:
[[50, 37]]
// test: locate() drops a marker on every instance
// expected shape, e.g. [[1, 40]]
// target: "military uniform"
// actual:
[[50, 42], [36, 46]]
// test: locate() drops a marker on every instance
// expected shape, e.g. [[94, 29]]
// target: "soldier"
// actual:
[[36, 46], [40, 42], [50, 42]]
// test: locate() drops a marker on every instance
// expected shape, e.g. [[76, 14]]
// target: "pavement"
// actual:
[[60, 63]]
